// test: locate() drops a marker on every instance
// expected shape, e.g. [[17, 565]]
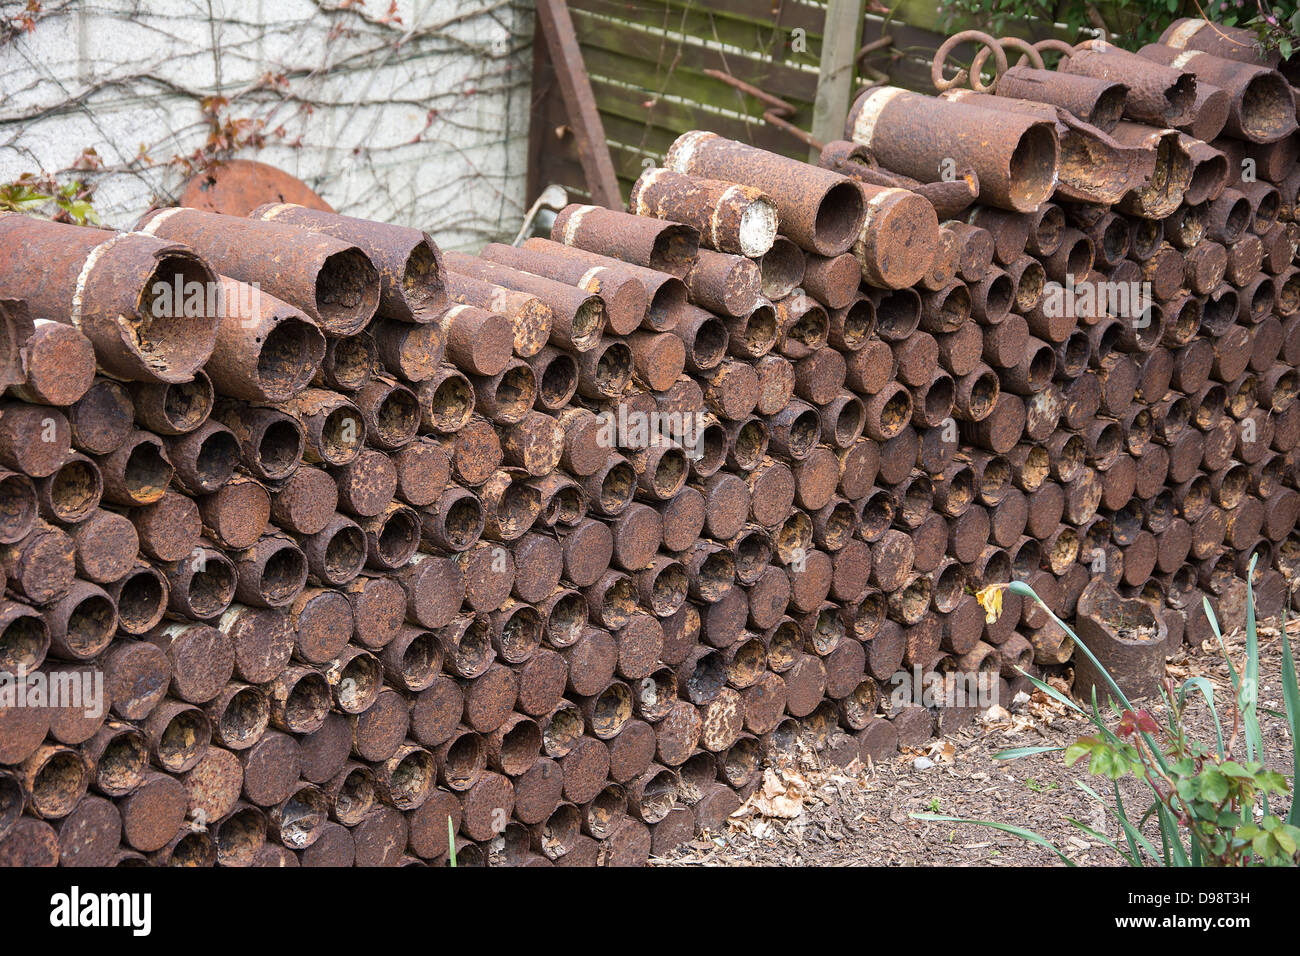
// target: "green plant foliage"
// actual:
[[1210, 800], [1133, 22], [31, 194]]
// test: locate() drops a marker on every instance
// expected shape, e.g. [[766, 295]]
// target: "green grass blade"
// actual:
[[1250, 681], [1053, 693], [1021, 832], [1132, 834], [1218, 636], [1176, 853], [1015, 753], [1250, 684], [1207, 691], [451, 841], [1291, 694], [1126, 857]]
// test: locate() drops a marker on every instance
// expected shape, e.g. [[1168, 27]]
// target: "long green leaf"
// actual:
[[1128, 858], [1291, 694], [1021, 832], [1133, 835], [1207, 691], [1052, 692], [1218, 635], [1015, 753], [1250, 682]]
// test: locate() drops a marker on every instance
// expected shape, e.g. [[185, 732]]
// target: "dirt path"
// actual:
[[862, 815]]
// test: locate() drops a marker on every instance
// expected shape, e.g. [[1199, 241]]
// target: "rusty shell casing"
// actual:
[[1260, 106], [1016, 157], [201, 659], [102, 418], [26, 636], [19, 504], [818, 209], [1010, 231], [1167, 185], [414, 352], [899, 237], [411, 273], [81, 623], [446, 401], [40, 567], [173, 408], [271, 573], [423, 471], [202, 584], [333, 427], [122, 291], [335, 554], [203, 459], [332, 280], [729, 217], [781, 268], [625, 296], [1098, 102], [348, 363], [530, 318], [141, 596], [236, 514], [271, 442], [16, 327], [506, 397], [1157, 93], [392, 536], [665, 293], [650, 243], [59, 363], [34, 439], [1234, 43], [536, 444], [305, 501], [478, 341], [266, 349], [1210, 112], [724, 283], [578, 317], [391, 413]]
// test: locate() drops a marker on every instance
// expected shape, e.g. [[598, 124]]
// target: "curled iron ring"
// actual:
[[1014, 43], [941, 56]]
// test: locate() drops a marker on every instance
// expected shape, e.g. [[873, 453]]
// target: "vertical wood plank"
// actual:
[[575, 88], [840, 44]]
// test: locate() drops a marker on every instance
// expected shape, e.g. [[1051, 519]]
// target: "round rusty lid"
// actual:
[[238, 186]]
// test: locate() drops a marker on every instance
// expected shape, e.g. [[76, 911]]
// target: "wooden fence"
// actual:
[[647, 61]]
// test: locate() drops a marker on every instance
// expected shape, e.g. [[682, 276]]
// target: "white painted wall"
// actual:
[[422, 122]]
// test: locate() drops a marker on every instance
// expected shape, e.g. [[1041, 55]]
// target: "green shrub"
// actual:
[[1210, 800]]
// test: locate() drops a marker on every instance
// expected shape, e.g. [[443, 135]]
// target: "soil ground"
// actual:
[[814, 815]]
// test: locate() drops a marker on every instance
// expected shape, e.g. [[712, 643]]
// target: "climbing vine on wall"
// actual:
[[410, 110]]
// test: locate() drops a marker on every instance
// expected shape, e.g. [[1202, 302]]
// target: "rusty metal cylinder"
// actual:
[[411, 273], [578, 316], [332, 280], [820, 210], [123, 291], [1016, 157]]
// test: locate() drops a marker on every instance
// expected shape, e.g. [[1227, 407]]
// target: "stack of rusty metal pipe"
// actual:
[[557, 543]]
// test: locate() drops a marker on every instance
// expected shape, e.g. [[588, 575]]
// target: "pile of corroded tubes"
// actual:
[[558, 542]]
